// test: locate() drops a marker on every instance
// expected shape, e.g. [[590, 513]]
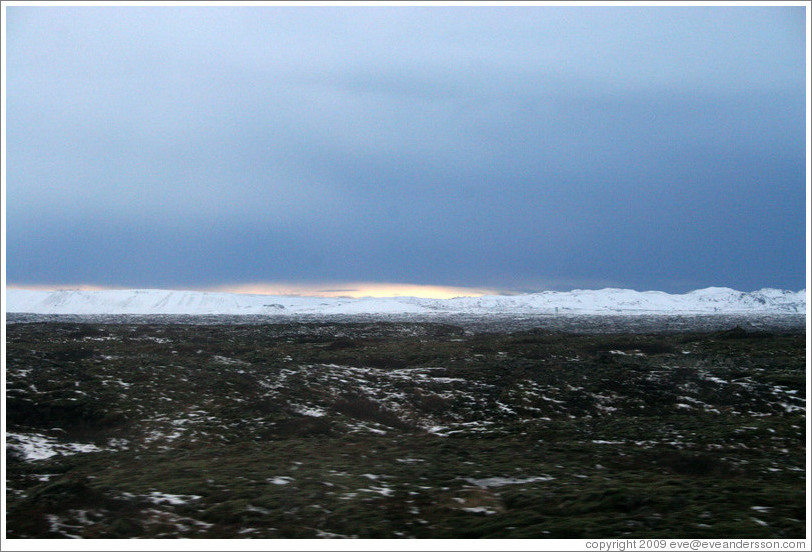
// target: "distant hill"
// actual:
[[604, 301]]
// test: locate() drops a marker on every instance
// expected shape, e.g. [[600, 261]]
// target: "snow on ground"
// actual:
[[280, 480], [165, 498], [312, 411], [35, 446], [502, 481], [604, 301]]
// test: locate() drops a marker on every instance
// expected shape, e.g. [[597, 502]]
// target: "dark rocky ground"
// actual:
[[596, 427]]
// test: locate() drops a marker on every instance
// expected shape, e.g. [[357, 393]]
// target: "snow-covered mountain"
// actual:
[[604, 301]]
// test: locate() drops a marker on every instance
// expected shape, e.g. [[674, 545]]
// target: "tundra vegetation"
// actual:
[[376, 429]]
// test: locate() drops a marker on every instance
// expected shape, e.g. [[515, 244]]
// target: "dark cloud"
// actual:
[[510, 147]]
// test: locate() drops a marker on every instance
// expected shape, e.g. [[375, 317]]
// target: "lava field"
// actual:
[[403, 429]]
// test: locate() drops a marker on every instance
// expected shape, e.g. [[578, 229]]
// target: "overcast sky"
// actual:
[[513, 148]]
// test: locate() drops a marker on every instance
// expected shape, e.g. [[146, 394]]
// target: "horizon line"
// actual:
[[353, 290]]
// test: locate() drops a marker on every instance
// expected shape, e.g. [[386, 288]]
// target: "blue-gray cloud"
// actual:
[[513, 147]]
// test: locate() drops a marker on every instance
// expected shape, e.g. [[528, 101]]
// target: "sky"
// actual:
[[496, 149]]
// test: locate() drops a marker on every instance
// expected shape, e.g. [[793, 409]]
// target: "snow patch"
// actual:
[[35, 446], [502, 481], [280, 480]]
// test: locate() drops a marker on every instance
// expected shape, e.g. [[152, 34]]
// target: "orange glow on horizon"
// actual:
[[335, 289], [357, 290]]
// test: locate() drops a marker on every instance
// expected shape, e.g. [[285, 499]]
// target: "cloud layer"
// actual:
[[508, 147]]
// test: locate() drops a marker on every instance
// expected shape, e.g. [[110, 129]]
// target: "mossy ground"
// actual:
[[395, 430]]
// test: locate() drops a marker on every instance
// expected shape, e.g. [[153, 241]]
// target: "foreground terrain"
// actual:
[[377, 429]]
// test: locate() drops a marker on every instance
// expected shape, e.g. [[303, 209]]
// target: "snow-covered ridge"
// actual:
[[604, 301]]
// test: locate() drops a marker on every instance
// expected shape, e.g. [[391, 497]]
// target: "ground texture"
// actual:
[[396, 429]]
